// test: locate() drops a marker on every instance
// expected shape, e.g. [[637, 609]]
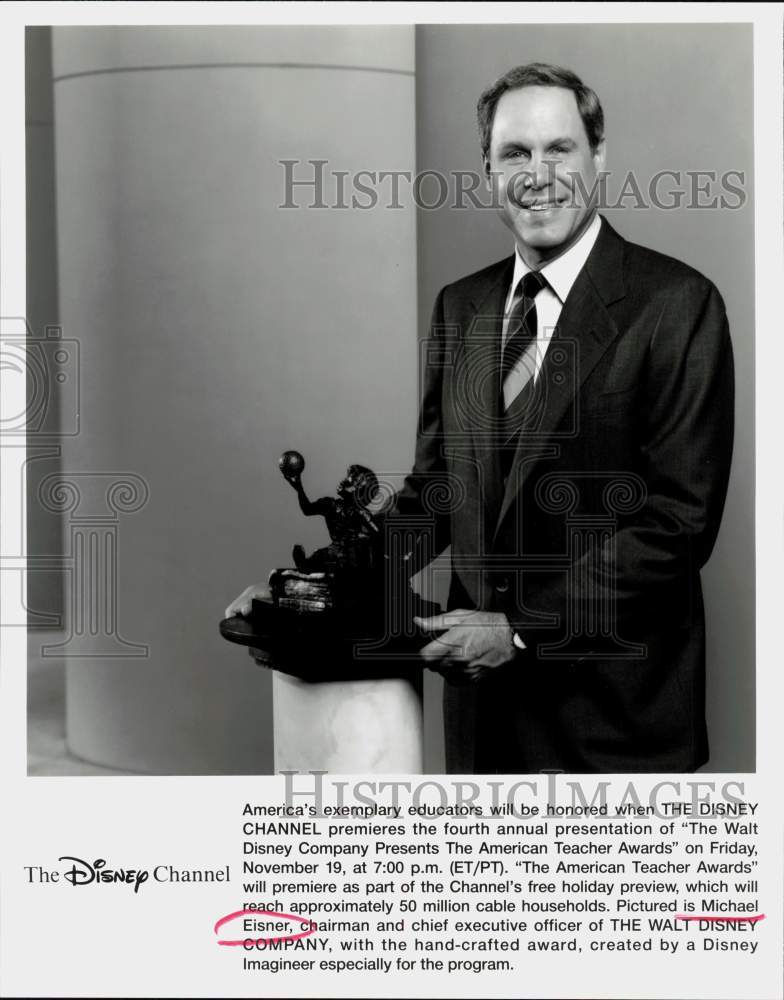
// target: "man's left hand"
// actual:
[[472, 644]]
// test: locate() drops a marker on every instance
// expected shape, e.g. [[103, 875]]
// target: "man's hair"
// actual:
[[540, 75]]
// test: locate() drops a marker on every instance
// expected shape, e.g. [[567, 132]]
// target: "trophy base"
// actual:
[[351, 641]]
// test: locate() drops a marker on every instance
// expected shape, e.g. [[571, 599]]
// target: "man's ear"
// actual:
[[487, 173], [600, 156]]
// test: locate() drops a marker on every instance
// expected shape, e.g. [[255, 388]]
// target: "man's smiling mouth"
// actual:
[[541, 206]]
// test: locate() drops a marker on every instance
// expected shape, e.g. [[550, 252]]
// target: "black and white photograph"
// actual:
[[391, 500], [251, 242]]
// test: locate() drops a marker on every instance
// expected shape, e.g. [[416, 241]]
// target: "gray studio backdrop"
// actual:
[[216, 329]]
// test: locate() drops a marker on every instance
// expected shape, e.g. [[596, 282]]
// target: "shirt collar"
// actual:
[[562, 272]]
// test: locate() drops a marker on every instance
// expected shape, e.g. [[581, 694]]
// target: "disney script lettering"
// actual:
[[84, 873]]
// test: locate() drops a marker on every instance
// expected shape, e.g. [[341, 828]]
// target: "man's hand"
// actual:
[[242, 605], [473, 643]]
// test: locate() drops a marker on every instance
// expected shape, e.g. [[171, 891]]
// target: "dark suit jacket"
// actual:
[[593, 544]]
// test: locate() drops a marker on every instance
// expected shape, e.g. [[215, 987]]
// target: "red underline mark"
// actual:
[[309, 924], [751, 918]]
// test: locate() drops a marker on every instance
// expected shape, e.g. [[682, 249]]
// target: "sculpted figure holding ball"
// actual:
[[353, 530]]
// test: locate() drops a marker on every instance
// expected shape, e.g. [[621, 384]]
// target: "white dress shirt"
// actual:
[[561, 274]]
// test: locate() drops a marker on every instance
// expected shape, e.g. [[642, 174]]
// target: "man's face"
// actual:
[[538, 147]]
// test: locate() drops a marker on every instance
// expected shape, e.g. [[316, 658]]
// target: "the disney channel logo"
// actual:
[[84, 873], [98, 872]]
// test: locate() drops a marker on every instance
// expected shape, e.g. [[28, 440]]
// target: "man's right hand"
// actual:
[[242, 605]]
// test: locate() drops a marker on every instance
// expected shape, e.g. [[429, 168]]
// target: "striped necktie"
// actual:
[[521, 332]]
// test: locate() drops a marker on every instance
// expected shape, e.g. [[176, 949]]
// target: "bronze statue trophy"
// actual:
[[344, 611]]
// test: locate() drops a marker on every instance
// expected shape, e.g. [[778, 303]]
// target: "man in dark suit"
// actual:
[[576, 434]]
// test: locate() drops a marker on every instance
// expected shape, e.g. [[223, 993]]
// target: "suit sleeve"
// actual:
[[685, 451], [418, 510]]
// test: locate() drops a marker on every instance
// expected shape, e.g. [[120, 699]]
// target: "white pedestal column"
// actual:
[[348, 727]]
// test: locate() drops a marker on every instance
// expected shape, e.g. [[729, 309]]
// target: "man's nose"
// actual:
[[538, 172], [534, 177]]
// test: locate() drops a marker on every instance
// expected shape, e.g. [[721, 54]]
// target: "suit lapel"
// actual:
[[480, 382], [584, 332]]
